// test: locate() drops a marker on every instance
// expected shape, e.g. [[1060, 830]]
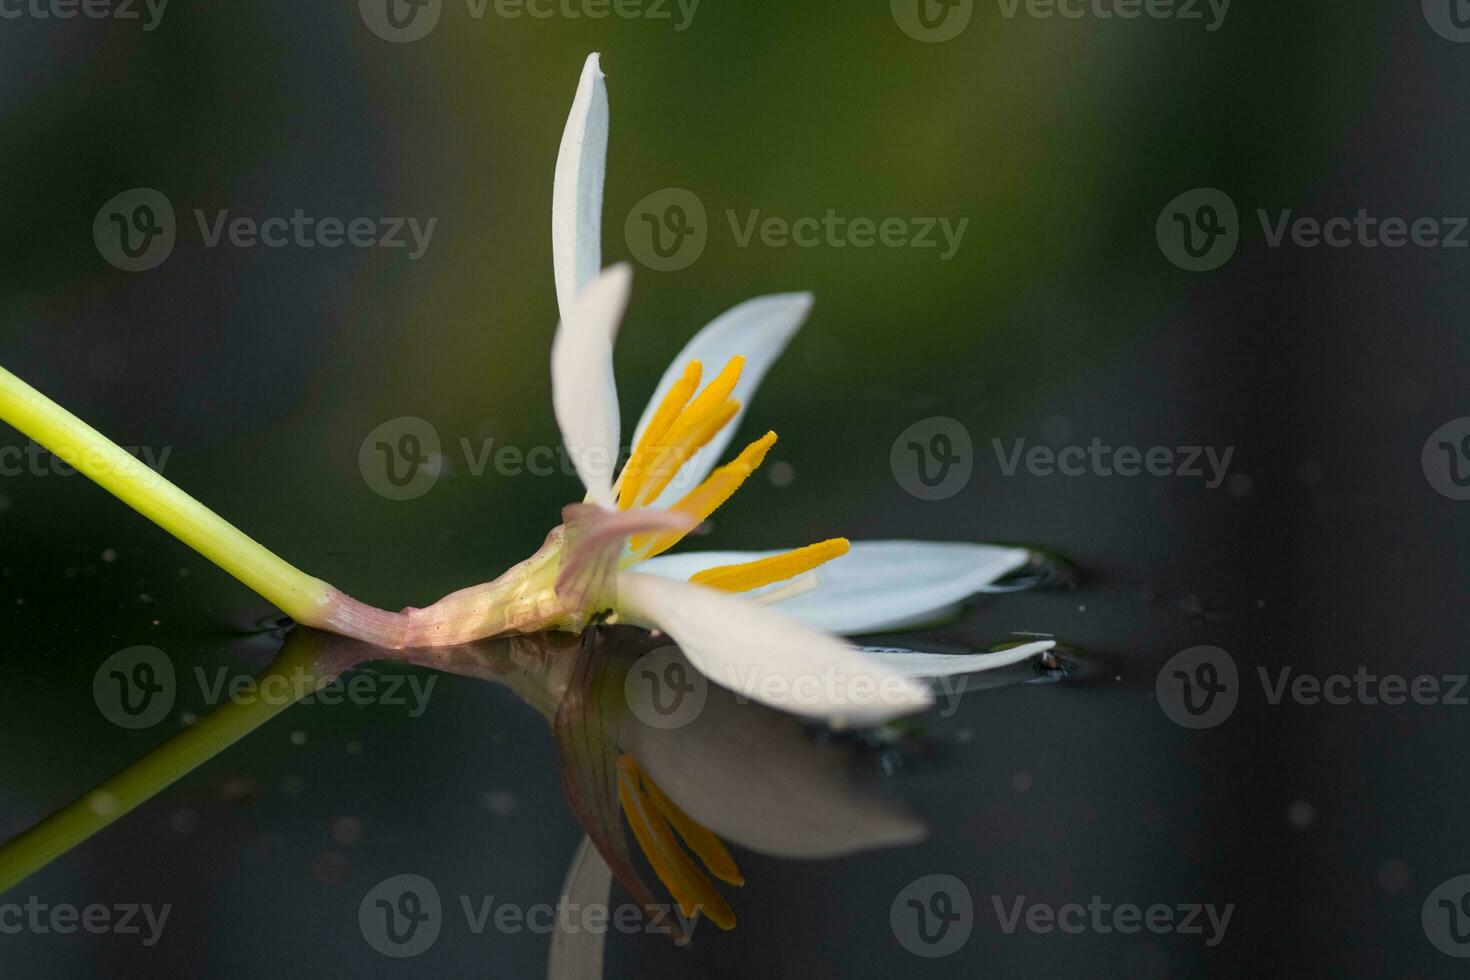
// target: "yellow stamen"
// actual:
[[684, 441], [689, 886], [706, 415], [776, 568], [706, 498], [653, 437], [701, 840]]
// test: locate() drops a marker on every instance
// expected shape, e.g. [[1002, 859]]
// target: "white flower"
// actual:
[[757, 622]]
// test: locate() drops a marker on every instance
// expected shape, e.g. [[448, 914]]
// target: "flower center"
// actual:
[[680, 427]]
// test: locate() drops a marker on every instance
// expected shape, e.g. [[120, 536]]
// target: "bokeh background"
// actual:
[[261, 371]]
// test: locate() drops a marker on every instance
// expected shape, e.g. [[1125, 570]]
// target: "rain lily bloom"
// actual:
[[762, 623]]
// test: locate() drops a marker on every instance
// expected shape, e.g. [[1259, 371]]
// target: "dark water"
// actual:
[[1327, 830]]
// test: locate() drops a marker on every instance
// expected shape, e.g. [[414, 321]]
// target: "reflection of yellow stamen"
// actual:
[[696, 425], [653, 437], [701, 840], [776, 568], [689, 886], [688, 437], [706, 498]]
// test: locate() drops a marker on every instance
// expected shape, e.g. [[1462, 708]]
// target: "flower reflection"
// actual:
[[732, 773]]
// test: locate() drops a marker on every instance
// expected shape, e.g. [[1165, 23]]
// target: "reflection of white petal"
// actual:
[[576, 953], [583, 392], [765, 656], [915, 663], [878, 585], [757, 329], [758, 779], [576, 193]]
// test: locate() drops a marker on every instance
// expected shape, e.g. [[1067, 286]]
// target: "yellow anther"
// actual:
[[653, 437], [683, 442], [689, 886], [706, 498], [700, 839], [706, 415], [776, 568]]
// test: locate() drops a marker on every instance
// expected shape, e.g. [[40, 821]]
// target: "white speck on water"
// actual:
[[500, 803], [109, 555], [781, 473], [1301, 814], [298, 737], [1082, 609]]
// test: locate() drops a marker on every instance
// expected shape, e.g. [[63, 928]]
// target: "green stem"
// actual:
[[292, 591], [301, 657]]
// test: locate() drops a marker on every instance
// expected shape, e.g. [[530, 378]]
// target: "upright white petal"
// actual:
[[576, 950], [760, 654], [576, 192], [877, 586], [758, 329], [583, 392]]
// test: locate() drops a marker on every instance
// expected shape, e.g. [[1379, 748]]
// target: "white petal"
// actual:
[[576, 191], [758, 779], [583, 392], [760, 654], [916, 663], [759, 329], [576, 953], [878, 585]]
